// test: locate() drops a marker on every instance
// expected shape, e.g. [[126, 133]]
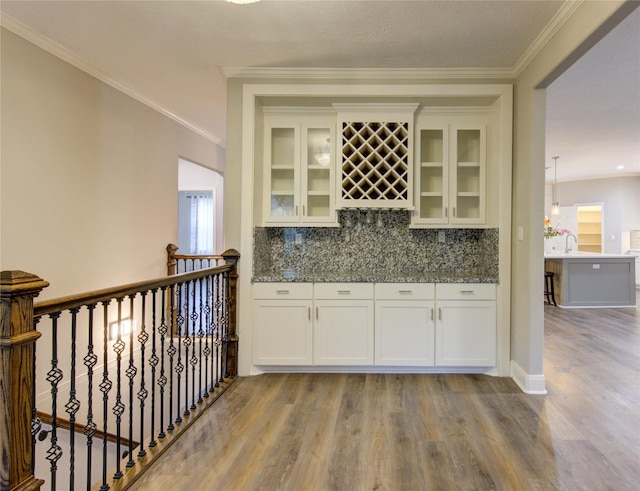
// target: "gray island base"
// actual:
[[585, 280]]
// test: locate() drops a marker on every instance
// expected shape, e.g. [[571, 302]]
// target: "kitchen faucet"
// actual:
[[567, 248]]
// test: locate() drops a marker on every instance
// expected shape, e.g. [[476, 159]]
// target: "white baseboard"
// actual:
[[530, 384]]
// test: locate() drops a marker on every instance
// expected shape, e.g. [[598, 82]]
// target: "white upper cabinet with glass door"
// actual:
[[468, 176], [299, 164], [450, 175]]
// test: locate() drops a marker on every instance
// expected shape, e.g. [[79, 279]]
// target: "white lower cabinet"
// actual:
[[282, 321], [391, 324], [404, 324], [465, 325], [343, 324]]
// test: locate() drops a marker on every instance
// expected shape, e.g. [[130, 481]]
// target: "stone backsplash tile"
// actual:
[[375, 243]]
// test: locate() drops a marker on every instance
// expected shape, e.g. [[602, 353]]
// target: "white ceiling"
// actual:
[[175, 55]]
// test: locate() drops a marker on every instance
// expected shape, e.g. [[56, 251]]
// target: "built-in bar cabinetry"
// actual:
[[382, 324], [375, 155], [466, 325], [299, 157], [450, 172], [404, 324], [283, 327], [343, 324]]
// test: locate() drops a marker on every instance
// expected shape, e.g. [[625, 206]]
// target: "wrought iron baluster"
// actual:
[[171, 351], [73, 405], [186, 341], [36, 423], [200, 335], [162, 380], [179, 365], [54, 376], [191, 334], [207, 349], [227, 311], [153, 362], [90, 361], [217, 335], [118, 408], [143, 337], [131, 373], [105, 388]]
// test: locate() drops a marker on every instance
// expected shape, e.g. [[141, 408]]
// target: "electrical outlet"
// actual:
[[440, 235], [520, 233], [298, 238]]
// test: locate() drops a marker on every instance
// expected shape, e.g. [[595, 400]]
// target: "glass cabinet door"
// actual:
[[317, 178], [283, 172], [468, 175], [432, 180]]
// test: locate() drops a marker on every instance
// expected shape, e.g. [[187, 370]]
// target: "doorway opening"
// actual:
[[200, 201], [589, 218]]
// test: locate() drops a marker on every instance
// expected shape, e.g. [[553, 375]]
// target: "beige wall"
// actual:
[[590, 22], [89, 176]]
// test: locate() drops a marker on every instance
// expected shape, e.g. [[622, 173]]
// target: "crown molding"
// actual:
[[369, 73], [553, 26], [64, 54]]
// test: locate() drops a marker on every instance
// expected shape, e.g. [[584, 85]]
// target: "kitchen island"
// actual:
[[584, 279]]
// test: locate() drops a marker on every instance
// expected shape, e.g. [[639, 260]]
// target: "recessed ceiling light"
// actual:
[[620, 167]]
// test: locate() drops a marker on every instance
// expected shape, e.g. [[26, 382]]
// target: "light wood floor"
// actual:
[[430, 432]]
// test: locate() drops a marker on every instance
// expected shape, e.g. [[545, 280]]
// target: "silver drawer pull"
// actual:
[[467, 292], [405, 292], [344, 292], [282, 292]]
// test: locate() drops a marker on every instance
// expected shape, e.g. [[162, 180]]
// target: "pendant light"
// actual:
[[555, 205]]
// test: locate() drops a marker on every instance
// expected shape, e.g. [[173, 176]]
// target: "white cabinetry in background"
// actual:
[[282, 323], [299, 157], [466, 324], [404, 324], [343, 330], [450, 174]]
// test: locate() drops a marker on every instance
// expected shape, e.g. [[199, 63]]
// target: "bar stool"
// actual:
[[549, 292]]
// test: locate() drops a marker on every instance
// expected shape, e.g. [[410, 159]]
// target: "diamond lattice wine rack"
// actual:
[[376, 156]]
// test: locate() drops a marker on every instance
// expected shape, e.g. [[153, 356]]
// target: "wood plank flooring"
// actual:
[[430, 432]]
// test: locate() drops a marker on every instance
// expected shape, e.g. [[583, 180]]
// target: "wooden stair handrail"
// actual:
[[75, 301]]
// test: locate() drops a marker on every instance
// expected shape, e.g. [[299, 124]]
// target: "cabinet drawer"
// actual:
[[405, 291], [466, 291], [346, 291], [283, 290]]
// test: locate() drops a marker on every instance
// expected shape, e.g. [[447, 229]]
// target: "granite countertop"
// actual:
[[375, 277]]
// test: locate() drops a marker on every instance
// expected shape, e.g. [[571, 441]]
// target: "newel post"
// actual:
[[172, 262], [230, 352], [17, 351]]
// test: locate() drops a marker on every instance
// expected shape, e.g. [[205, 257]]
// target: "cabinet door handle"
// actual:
[[282, 292], [431, 313], [439, 313], [304, 213], [446, 212], [454, 211], [405, 292], [309, 313], [344, 292], [296, 210], [467, 292], [316, 313]]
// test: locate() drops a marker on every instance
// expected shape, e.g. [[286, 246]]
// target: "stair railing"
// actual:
[[131, 367]]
